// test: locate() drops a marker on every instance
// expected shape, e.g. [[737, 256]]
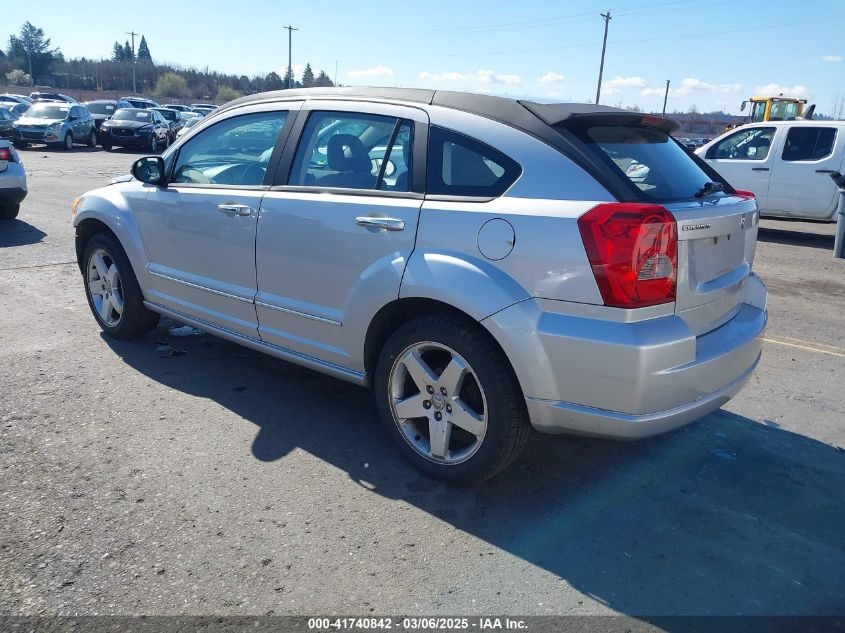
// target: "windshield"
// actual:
[[100, 107], [44, 111], [647, 156], [192, 121], [132, 115]]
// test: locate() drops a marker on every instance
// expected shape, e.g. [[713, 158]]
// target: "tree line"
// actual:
[[30, 59]]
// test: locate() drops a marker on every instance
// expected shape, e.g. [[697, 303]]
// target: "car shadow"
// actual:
[[19, 233], [795, 238], [725, 516]]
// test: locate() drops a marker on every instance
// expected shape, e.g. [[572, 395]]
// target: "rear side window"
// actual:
[[647, 156], [462, 166], [809, 143]]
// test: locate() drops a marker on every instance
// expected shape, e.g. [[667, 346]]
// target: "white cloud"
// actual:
[[612, 86], [375, 71], [483, 76], [776, 89], [650, 92], [692, 84], [832, 58], [551, 78]]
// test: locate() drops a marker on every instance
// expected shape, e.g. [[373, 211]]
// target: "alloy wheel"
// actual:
[[438, 403], [104, 287]]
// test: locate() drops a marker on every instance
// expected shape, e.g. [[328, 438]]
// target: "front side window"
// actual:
[[462, 166], [751, 144], [234, 152], [354, 151], [808, 143]]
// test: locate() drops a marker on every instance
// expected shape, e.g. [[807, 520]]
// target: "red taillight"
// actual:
[[5, 154], [745, 194], [633, 250]]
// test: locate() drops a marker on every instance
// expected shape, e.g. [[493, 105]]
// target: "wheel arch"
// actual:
[[397, 312]]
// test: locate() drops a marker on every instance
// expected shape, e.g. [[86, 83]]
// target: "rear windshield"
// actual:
[[132, 115], [647, 156], [170, 115], [100, 107]]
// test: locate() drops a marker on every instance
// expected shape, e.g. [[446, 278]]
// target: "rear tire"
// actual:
[[20, 144], [9, 211], [475, 448], [103, 285]]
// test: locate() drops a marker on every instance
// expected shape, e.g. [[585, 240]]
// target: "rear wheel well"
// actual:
[[85, 230], [394, 314]]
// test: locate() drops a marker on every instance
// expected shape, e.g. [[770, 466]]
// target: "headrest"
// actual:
[[346, 152]]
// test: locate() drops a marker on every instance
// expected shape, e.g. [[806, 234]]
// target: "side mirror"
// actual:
[[742, 106], [149, 169]]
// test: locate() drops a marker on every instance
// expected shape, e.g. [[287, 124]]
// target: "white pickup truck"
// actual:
[[785, 163]]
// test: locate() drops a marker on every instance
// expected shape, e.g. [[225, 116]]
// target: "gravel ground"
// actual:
[[186, 475]]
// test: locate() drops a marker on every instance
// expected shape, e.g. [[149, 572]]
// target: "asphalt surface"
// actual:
[[186, 475]]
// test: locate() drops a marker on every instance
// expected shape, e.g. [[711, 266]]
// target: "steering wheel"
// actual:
[[254, 173]]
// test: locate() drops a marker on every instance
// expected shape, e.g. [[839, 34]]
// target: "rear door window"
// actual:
[[808, 143], [750, 144], [462, 166], [647, 156]]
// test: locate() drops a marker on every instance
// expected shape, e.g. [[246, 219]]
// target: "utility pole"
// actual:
[[134, 88], [290, 54], [665, 97], [607, 20], [29, 50]]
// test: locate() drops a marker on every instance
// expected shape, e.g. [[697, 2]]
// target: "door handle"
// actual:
[[389, 224], [825, 171], [235, 209], [759, 169]]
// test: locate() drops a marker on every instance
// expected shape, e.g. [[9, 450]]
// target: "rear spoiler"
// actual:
[[553, 114]]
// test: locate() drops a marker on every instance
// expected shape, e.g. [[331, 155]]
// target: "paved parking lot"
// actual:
[[188, 475]]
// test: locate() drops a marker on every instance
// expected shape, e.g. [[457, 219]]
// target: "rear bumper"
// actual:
[[627, 380], [13, 195]]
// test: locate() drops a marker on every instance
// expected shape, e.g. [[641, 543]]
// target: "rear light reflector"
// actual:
[[5, 157], [633, 251], [745, 194]]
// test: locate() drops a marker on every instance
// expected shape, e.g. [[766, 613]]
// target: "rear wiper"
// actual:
[[708, 188]]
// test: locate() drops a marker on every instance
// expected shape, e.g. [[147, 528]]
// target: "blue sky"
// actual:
[[715, 52]]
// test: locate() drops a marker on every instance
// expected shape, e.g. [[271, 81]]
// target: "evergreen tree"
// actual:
[[288, 80], [307, 77], [144, 51], [117, 53], [127, 52], [273, 82], [31, 51], [323, 81]]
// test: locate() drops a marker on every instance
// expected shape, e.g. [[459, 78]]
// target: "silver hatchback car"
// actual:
[[485, 265]]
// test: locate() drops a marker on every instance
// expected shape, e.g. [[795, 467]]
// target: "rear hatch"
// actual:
[[716, 226]]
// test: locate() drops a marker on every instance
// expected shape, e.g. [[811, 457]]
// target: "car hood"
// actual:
[[126, 125], [25, 120]]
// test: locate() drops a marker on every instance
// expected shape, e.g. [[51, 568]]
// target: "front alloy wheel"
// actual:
[[104, 287], [153, 144], [438, 403], [68, 141]]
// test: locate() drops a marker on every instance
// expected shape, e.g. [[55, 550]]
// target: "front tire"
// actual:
[[113, 293], [92, 138], [9, 211], [68, 142], [106, 145], [153, 144], [448, 397]]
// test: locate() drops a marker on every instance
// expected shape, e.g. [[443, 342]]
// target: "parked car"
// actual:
[[7, 130], [17, 109], [55, 124], [103, 109], [174, 122], [188, 124], [203, 108], [12, 181], [507, 275], [179, 107], [140, 102], [13, 98], [51, 96], [135, 127], [785, 163]]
